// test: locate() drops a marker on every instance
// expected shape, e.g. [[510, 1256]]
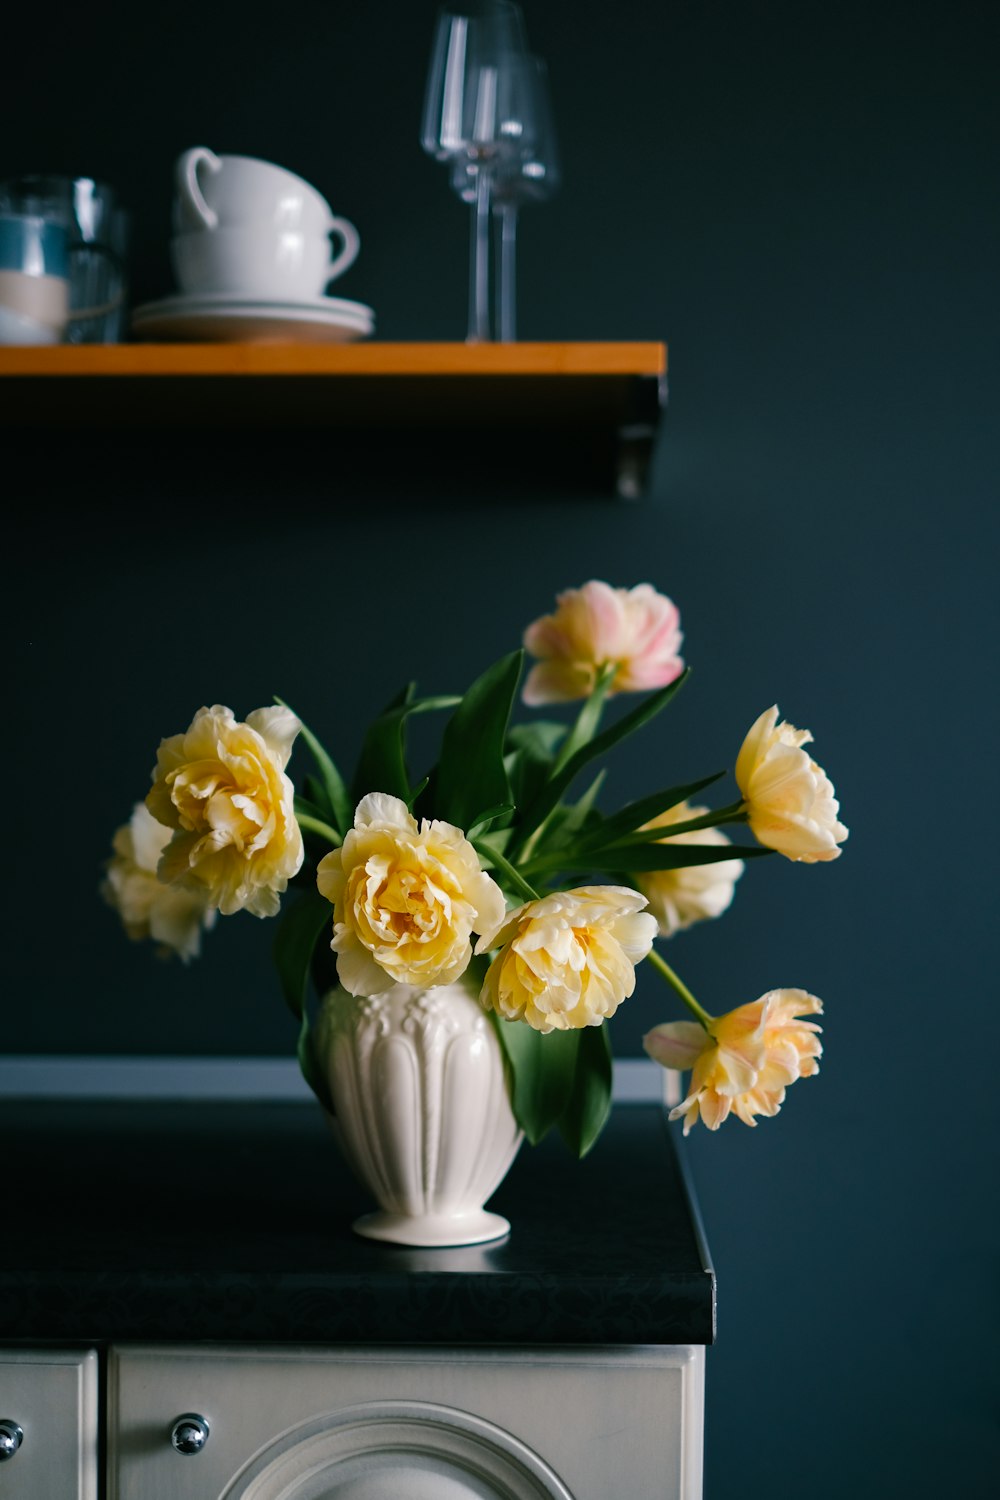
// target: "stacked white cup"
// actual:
[[248, 228]]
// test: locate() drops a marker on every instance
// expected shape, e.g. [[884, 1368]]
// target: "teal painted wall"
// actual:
[[802, 201]]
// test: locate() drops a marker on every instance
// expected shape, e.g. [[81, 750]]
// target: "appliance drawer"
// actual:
[[48, 1408], [409, 1423]]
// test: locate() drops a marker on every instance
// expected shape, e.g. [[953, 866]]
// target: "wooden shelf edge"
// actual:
[[641, 359]]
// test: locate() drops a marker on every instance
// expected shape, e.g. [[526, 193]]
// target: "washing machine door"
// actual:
[[397, 1450]]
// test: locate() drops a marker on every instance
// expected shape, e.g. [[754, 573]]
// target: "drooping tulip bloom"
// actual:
[[745, 1062]]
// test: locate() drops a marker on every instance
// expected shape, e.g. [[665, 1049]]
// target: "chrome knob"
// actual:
[[11, 1438], [190, 1433]]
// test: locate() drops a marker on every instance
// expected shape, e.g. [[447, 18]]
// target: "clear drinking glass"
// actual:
[[529, 175], [470, 119], [97, 228]]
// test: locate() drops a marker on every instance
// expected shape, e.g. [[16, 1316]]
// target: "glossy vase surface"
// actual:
[[421, 1110]]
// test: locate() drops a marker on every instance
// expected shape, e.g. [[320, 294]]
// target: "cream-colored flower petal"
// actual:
[[675, 1044], [380, 810], [679, 898], [356, 968], [221, 786], [634, 932], [714, 1108], [410, 897], [278, 727], [758, 737], [171, 916], [789, 799], [557, 682], [564, 961], [747, 1060]]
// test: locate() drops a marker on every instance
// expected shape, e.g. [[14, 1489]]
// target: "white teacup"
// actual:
[[226, 192], [264, 264]]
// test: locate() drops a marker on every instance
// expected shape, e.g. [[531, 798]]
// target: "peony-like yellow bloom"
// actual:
[[171, 916], [406, 900], [679, 898], [637, 629], [568, 959], [790, 801], [745, 1062], [221, 786]]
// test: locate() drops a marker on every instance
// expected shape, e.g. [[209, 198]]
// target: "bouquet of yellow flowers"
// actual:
[[496, 863]]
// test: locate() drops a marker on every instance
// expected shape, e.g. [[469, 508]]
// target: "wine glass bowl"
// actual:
[[470, 119], [529, 175]]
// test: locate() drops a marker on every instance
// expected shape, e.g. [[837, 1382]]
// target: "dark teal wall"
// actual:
[[802, 201]]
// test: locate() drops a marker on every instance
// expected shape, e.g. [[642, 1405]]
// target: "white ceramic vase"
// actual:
[[421, 1110]]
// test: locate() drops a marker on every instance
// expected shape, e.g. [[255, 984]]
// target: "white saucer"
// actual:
[[233, 317]]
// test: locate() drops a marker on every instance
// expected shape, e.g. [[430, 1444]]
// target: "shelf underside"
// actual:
[[563, 417]]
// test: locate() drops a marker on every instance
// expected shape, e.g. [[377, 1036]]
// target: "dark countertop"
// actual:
[[231, 1221]]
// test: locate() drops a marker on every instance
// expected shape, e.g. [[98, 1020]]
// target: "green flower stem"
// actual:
[[316, 825], [507, 870], [589, 717], [582, 733], [677, 984]]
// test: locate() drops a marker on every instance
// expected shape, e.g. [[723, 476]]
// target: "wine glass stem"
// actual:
[[507, 301], [479, 279]]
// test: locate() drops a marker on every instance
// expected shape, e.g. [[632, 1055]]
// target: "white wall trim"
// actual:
[[636, 1080]]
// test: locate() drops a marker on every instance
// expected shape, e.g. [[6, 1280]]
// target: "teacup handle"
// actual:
[[187, 182], [349, 253]]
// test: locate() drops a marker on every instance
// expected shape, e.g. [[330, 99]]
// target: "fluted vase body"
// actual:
[[421, 1109]]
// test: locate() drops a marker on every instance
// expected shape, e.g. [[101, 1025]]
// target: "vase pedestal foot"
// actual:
[[428, 1230]]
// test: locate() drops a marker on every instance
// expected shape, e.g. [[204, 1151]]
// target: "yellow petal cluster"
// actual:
[[568, 959], [679, 898], [637, 629], [221, 786], [745, 1061], [406, 899], [790, 802], [172, 916]]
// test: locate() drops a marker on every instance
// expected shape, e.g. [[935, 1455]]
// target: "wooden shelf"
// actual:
[[579, 414]]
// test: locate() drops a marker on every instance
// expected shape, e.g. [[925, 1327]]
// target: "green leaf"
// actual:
[[542, 1069], [566, 822], [589, 1103], [310, 1068], [471, 773], [334, 789], [417, 791], [382, 763], [599, 745], [511, 876], [638, 856], [299, 928], [310, 808], [491, 815], [315, 792], [541, 738], [631, 817]]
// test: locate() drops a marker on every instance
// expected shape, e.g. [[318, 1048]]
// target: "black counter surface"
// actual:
[[172, 1221]]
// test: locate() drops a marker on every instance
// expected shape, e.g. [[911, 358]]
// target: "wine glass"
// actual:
[[530, 175], [468, 119]]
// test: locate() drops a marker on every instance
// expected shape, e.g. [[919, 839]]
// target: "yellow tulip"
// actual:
[[568, 959], [745, 1061], [789, 799], [406, 899]]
